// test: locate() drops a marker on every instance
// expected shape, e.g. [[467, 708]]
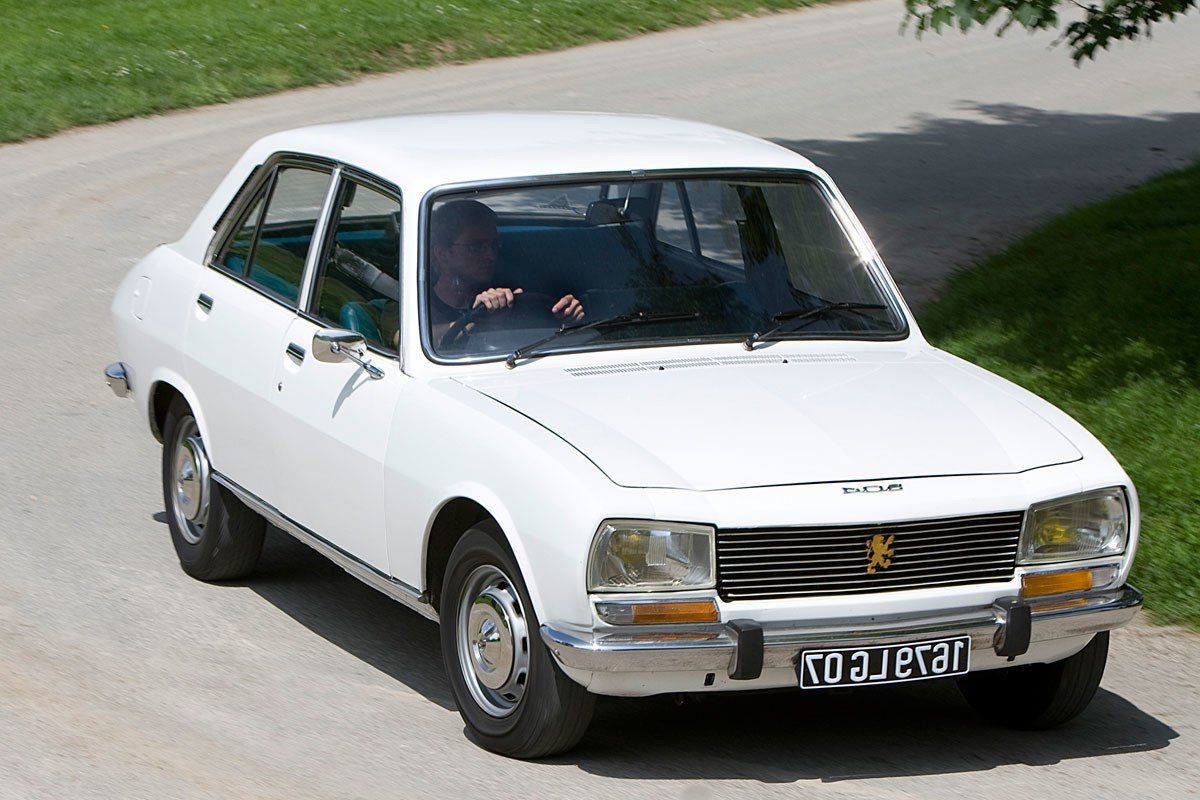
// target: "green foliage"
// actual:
[[1099, 312], [73, 62], [1100, 26]]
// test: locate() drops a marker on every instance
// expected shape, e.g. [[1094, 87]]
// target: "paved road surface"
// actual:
[[119, 677]]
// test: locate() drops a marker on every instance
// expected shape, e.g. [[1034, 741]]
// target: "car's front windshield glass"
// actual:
[[722, 258]]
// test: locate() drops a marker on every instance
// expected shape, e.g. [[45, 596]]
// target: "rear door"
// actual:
[[243, 307], [334, 419]]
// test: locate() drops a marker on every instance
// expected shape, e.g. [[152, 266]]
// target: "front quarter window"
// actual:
[[710, 258]]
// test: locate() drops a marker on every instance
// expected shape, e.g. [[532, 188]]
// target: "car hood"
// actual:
[[708, 424]]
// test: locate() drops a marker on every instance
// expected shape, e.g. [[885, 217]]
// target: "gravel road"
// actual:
[[120, 677]]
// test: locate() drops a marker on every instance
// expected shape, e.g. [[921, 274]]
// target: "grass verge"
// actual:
[[1099, 312], [82, 61]]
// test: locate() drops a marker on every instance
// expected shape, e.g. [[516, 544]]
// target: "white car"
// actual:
[[630, 406]]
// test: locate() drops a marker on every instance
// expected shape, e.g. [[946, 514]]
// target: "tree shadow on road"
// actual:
[[947, 191]]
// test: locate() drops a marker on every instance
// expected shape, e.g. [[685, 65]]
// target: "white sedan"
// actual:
[[629, 405]]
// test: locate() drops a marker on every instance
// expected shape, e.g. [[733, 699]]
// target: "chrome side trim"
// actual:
[[713, 647], [397, 590], [117, 379]]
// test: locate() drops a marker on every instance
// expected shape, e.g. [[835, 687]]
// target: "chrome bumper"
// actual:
[[1006, 627], [117, 379]]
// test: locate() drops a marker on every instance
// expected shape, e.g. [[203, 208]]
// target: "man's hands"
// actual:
[[496, 299], [568, 308]]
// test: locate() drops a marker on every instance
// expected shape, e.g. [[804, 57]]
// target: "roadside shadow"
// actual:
[[943, 192], [318, 594], [882, 732]]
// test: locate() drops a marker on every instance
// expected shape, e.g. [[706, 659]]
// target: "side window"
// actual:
[[277, 259], [236, 254], [671, 225], [358, 283], [715, 208]]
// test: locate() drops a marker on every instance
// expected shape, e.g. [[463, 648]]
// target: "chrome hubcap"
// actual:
[[493, 641], [191, 482]]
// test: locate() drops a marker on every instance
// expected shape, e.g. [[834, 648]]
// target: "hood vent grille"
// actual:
[[716, 361]]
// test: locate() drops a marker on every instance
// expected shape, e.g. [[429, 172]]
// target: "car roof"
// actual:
[[422, 151], [426, 150]]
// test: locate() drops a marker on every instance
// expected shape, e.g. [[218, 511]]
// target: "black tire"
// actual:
[[1039, 696], [226, 544], [553, 713]]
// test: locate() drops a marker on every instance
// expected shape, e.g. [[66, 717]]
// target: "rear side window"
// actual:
[[270, 245], [236, 254], [671, 225], [715, 208]]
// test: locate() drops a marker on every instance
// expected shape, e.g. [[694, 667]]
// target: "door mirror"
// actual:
[[334, 345]]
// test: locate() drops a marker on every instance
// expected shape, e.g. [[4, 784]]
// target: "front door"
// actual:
[[335, 418]]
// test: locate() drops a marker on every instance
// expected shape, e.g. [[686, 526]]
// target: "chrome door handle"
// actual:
[[296, 352], [204, 301]]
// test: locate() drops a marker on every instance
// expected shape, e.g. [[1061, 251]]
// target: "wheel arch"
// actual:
[[458, 513], [166, 385]]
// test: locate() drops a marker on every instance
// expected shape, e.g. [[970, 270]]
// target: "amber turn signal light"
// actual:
[[657, 612], [1047, 583], [675, 611]]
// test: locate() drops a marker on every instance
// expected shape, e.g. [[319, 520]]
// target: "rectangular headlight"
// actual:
[[636, 556], [1083, 526]]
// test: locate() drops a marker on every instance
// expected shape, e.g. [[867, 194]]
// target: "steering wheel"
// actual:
[[528, 310]]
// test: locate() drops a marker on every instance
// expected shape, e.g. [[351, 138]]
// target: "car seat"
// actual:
[[363, 318]]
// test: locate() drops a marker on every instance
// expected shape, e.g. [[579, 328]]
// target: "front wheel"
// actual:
[[513, 698], [1039, 696]]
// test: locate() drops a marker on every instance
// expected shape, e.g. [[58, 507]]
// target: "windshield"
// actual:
[[723, 258]]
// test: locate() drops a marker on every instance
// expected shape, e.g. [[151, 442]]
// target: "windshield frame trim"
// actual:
[[870, 256]]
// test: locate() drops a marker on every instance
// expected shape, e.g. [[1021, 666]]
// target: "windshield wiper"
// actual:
[[618, 321], [795, 314]]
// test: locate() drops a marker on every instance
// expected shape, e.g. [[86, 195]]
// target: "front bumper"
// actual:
[[742, 649]]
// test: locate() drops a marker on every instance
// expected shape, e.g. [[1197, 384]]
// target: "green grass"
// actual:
[[1099, 312], [73, 62]]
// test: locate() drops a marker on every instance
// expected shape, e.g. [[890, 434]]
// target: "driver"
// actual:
[[465, 244]]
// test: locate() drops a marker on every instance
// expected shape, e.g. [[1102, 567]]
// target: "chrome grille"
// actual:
[[764, 564]]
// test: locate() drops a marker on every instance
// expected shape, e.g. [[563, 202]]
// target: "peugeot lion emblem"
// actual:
[[879, 552]]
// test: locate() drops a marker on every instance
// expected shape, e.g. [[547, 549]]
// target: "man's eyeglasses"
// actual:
[[478, 248]]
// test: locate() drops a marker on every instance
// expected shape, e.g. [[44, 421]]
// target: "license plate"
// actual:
[[886, 663]]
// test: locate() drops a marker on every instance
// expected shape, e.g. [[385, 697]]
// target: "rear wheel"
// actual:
[[215, 535], [514, 699], [1039, 696]]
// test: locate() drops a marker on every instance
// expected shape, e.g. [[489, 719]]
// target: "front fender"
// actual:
[[449, 441]]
